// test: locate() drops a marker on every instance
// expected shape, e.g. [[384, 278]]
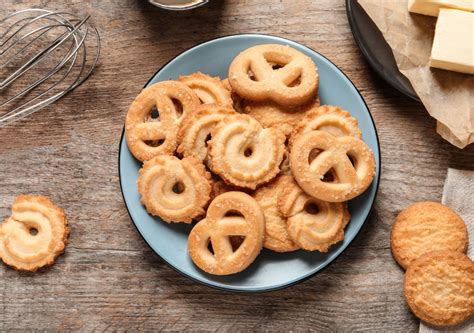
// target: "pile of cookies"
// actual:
[[34, 235], [429, 240], [254, 158]]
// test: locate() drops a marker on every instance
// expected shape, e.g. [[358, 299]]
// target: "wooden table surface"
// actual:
[[109, 279]]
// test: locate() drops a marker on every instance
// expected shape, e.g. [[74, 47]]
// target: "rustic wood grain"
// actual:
[[109, 279]]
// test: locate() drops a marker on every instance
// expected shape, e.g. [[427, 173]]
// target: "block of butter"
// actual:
[[453, 44], [432, 7]]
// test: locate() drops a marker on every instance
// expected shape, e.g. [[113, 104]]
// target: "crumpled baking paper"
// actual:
[[448, 96]]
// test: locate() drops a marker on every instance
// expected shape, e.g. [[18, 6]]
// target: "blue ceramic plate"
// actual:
[[270, 270]]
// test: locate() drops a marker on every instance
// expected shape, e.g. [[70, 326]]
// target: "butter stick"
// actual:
[[432, 7], [453, 44]]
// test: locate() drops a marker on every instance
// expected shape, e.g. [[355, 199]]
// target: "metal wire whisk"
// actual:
[[43, 56]]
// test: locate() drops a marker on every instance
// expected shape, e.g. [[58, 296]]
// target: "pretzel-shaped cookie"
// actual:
[[149, 134], [218, 228], [176, 190], [196, 129], [252, 75], [328, 118], [348, 160], [312, 224], [34, 235], [210, 90], [243, 153]]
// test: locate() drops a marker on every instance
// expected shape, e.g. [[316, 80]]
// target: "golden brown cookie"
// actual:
[[210, 90], [34, 235], [229, 215], [312, 224], [219, 187], [285, 168], [195, 130], [238, 102], [276, 231], [173, 189], [226, 84], [274, 72], [439, 287], [330, 168], [152, 123], [243, 153], [277, 116], [426, 226]]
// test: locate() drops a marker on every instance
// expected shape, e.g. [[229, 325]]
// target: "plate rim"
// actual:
[[297, 281], [408, 92]]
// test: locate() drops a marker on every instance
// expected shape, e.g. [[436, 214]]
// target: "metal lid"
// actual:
[[178, 4]]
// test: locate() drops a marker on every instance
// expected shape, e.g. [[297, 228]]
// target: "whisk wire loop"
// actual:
[[64, 63]]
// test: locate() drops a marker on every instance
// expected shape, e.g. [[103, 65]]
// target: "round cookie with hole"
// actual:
[[34, 235], [312, 224], [176, 190], [426, 226]]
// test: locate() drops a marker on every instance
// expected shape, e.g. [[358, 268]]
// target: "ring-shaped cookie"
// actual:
[[312, 224], [176, 190], [34, 235], [195, 130], [210, 90], [152, 123], [245, 154], [274, 72]]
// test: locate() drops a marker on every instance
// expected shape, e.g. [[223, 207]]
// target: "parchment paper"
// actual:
[[458, 194], [448, 96]]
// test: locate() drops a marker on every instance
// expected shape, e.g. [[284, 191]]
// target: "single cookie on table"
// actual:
[[153, 120], [210, 90], [276, 231], [232, 214], [195, 130], [312, 224], [274, 72], [328, 118], [426, 226], [439, 287], [243, 153], [34, 235], [330, 168], [173, 189], [277, 116]]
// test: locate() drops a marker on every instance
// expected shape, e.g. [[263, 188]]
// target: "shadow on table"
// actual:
[[173, 26]]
